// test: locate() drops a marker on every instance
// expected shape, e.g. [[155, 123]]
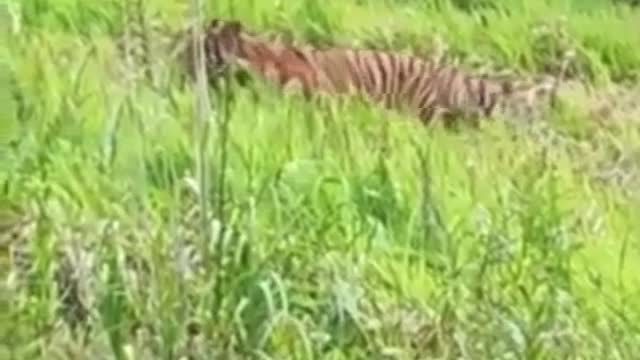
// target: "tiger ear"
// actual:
[[234, 27]]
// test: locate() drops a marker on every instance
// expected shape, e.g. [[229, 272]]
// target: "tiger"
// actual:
[[426, 88]]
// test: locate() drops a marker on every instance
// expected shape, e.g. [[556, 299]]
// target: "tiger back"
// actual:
[[425, 88]]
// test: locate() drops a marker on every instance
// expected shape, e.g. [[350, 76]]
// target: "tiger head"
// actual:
[[221, 42]]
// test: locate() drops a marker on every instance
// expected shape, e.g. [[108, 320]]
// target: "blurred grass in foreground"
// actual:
[[349, 232]]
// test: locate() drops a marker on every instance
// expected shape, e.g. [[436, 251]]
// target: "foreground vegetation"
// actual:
[[130, 229]]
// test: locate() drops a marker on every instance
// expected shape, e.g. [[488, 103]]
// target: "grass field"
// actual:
[[133, 226]]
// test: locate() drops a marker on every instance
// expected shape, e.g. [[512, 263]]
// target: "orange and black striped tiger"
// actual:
[[425, 88]]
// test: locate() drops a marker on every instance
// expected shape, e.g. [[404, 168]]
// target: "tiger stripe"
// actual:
[[394, 80]]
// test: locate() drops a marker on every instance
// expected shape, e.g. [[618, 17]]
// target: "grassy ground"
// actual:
[[349, 233]]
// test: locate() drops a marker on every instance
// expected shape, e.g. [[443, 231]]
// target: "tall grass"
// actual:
[[147, 219]]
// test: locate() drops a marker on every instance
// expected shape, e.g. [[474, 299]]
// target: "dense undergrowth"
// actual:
[[128, 230]]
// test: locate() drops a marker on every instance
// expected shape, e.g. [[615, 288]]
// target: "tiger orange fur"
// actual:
[[426, 88]]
